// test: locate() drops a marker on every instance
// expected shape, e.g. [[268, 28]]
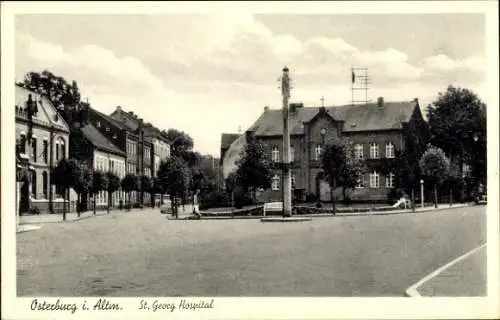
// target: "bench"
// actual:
[[273, 207]]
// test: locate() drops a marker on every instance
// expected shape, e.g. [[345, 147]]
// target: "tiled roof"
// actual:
[[116, 123], [369, 117], [227, 139], [99, 140], [131, 121]]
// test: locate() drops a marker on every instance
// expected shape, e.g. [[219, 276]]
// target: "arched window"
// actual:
[[292, 154], [275, 153], [45, 185], [63, 148], [317, 152], [389, 150], [22, 143], [293, 180], [275, 183], [33, 183]]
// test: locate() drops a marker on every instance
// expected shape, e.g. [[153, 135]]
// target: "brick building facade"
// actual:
[[377, 131]]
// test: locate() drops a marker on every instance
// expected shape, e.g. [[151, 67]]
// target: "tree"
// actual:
[[82, 181], [158, 189], [454, 119], [61, 177], [253, 169], [99, 183], [65, 96], [130, 183], [340, 168], [181, 141], [113, 185], [173, 175], [147, 186], [231, 184], [435, 167]]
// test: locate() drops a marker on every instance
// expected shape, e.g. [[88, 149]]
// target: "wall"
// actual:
[[102, 161]]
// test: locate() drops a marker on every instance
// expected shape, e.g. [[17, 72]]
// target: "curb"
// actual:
[[412, 291], [321, 215]]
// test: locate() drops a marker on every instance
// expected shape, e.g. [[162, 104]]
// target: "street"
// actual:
[[143, 254]]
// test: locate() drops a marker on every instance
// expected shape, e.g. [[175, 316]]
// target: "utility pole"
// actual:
[[287, 179]]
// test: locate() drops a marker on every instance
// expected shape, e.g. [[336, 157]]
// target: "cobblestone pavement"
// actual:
[[144, 254]]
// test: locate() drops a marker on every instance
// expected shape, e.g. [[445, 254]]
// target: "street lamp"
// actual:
[[422, 193]]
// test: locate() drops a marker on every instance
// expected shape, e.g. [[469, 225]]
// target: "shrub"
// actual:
[[34, 210], [394, 195], [215, 199], [310, 197], [319, 205], [347, 201]]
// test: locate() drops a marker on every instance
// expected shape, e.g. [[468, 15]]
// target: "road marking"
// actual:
[[413, 292]]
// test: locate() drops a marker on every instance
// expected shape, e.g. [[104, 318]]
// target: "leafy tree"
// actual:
[[181, 141], [454, 118], [158, 189], [253, 169], [130, 183], [82, 181], [113, 185], [146, 186], [174, 176], [435, 167], [340, 169], [61, 177], [99, 183], [63, 94]]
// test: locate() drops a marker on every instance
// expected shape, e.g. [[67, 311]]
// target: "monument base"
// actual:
[[285, 219]]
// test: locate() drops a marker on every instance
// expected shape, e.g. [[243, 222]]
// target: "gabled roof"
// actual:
[[99, 141], [47, 113], [131, 122], [227, 139], [113, 121], [369, 117]]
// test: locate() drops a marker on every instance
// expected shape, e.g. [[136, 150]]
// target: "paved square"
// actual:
[[142, 253]]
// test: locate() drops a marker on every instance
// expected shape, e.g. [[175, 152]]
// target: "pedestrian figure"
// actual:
[[196, 207]]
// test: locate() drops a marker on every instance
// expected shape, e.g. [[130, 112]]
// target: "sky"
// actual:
[[213, 74]]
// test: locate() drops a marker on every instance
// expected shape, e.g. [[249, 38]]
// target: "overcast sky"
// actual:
[[207, 74]]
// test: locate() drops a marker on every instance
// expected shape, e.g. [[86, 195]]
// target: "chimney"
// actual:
[[131, 113], [415, 100], [266, 108], [118, 108], [295, 106], [380, 102]]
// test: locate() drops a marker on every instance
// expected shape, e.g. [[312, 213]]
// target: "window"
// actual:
[[45, 183], [374, 179], [57, 150], [292, 154], [275, 183], [317, 152], [293, 181], [389, 150], [33, 145], [45, 151], [360, 182], [33, 183], [23, 144], [275, 154], [358, 151], [98, 124], [373, 150], [389, 180]]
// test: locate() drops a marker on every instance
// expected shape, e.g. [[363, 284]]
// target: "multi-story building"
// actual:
[[42, 138], [377, 131], [90, 146], [152, 146]]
